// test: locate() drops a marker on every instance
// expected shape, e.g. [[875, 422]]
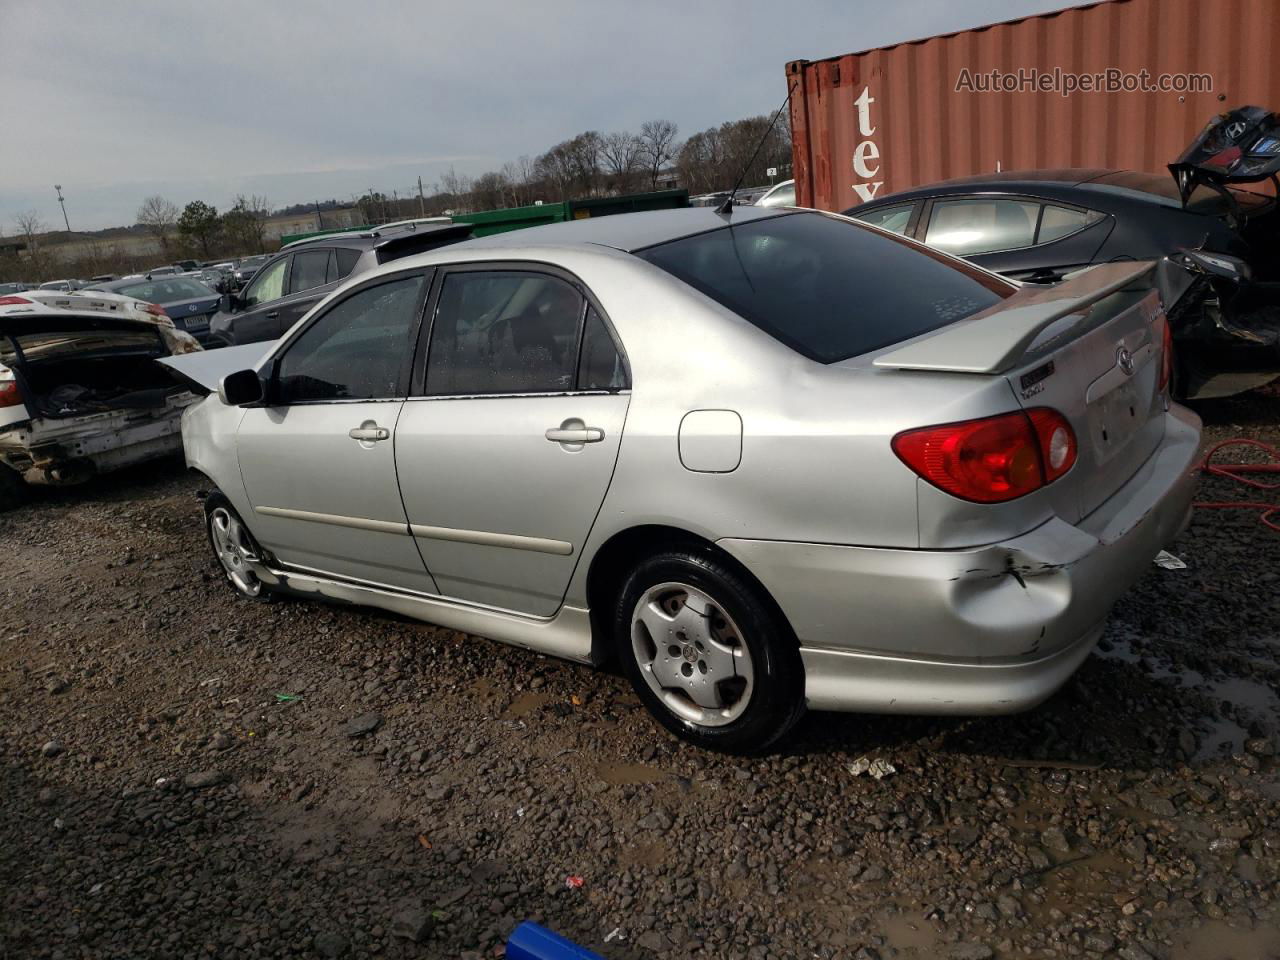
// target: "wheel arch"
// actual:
[[618, 555]]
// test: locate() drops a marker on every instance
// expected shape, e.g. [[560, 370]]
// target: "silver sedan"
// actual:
[[761, 460]]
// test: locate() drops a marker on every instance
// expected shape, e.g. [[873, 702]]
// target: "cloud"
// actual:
[[305, 100]]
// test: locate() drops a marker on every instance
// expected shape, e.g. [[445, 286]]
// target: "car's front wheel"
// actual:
[[233, 547], [708, 654]]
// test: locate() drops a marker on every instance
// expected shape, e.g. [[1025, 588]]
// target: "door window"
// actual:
[[981, 225], [268, 285], [601, 366], [1058, 222], [893, 218], [504, 332], [355, 350], [310, 270], [346, 260]]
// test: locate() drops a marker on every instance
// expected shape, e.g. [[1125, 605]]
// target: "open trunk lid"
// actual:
[[1091, 348]]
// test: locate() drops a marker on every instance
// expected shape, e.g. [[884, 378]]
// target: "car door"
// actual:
[[312, 276], [258, 318], [317, 457], [507, 450]]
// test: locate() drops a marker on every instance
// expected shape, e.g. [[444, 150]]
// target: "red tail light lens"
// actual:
[[10, 395], [154, 309], [993, 459], [12, 301], [1166, 358]]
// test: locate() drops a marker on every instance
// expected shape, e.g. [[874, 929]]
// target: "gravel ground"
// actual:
[[185, 773]]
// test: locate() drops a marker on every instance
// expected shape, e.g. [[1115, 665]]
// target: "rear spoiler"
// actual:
[[421, 239], [997, 339]]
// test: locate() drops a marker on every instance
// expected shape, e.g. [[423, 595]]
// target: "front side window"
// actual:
[[977, 225], [827, 287], [267, 285], [310, 270], [893, 218], [356, 349], [504, 332]]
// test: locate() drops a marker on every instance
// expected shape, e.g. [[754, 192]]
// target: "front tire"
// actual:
[[708, 653], [234, 548], [14, 491]]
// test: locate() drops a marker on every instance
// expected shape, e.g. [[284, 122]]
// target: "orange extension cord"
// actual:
[[1270, 512]]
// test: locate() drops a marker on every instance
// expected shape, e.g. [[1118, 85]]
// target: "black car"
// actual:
[[1038, 225], [303, 273], [188, 303], [245, 269]]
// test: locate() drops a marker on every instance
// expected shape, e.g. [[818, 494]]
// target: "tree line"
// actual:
[[590, 164]]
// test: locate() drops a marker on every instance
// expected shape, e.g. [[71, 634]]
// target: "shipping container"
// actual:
[[871, 123]]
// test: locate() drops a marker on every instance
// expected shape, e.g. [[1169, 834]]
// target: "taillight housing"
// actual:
[[1166, 357], [12, 301], [992, 459]]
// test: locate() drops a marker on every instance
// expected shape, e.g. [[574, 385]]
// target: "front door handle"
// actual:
[[368, 432], [575, 434]]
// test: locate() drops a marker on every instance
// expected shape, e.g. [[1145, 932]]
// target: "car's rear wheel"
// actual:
[[708, 654], [234, 548]]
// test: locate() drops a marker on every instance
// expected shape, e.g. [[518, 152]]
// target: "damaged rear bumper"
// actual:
[[64, 452], [994, 629]]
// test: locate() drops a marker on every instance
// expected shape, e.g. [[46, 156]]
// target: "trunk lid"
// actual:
[[1091, 348]]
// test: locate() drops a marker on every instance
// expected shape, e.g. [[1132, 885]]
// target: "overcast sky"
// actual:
[[312, 99]]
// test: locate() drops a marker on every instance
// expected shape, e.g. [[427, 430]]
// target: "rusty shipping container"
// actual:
[[868, 124]]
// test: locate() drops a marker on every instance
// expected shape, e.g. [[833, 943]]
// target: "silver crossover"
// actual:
[[762, 460]]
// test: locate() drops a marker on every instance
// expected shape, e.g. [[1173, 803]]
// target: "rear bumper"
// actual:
[[993, 629]]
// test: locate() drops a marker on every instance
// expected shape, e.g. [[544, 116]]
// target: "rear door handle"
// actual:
[[369, 433], [575, 434], [273, 314]]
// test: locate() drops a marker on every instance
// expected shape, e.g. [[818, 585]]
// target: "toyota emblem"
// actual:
[[1124, 360]]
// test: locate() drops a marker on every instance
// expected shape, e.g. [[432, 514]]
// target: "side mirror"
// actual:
[[237, 389], [230, 303]]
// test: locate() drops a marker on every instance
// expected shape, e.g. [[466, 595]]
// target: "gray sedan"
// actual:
[[761, 460]]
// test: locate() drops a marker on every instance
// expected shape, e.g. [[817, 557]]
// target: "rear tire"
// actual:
[[232, 546], [708, 653], [14, 491]]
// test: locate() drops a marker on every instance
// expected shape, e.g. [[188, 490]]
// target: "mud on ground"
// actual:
[[180, 776]]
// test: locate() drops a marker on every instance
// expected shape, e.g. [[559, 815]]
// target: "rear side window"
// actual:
[[1058, 222], [981, 225], [355, 350], [347, 259], [828, 288], [504, 332], [601, 366], [310, 270]]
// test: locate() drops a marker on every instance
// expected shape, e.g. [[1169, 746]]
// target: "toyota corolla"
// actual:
[[762, 460]]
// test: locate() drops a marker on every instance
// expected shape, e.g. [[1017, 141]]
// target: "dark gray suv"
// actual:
[[304, 272]]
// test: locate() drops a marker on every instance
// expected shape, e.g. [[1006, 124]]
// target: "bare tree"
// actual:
[[30, 227], [245, 224], [459, 187], [160, 217], [620, 156], [657, 146]]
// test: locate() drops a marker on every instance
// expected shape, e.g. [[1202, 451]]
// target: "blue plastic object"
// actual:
[[532, 942]]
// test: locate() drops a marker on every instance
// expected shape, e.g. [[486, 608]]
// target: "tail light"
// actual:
[[993, 459], [11, 301], [1166, 357], [10, 395]]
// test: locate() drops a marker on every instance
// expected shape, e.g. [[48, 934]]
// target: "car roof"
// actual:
[[625, 231]]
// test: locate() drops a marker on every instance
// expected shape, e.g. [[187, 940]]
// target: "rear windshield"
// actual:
[[166, 291], [828, 288], [1153, 188]]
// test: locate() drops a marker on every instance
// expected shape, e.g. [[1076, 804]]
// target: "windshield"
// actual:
[[1153, 188], [828, 288], [166, 291]]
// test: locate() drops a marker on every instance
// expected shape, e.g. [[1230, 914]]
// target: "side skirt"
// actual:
[[566, 635]]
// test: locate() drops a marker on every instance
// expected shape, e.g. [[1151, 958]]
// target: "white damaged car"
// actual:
[[80, 391]]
